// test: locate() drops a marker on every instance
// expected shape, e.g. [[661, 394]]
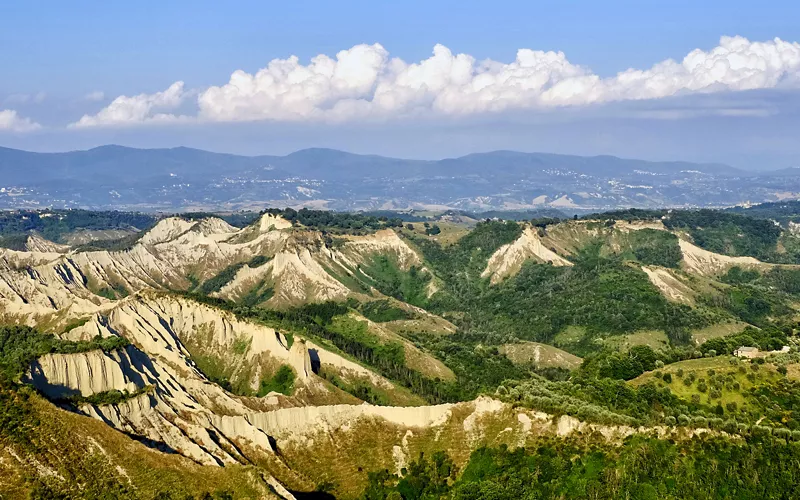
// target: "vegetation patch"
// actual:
[[383, 273], [282, 382], [383, 311], [336, 222], [728, 233], [21, 345], [222, 278], [111, 397], [53, 225], [643, 468]]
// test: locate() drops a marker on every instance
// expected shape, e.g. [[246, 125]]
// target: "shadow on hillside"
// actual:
[[312, 495]]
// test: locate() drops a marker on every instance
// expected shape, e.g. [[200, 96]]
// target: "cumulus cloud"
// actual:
[[364, 82], [12, 122], [137, 109]]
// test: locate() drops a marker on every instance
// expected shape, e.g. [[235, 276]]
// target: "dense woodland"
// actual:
[[643, 469]]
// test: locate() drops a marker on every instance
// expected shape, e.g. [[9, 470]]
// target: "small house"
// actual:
[[746, 352]]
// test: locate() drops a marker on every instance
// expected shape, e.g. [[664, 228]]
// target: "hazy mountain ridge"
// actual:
[[185, 178]]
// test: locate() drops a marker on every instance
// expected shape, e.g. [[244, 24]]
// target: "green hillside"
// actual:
[[618, 331]]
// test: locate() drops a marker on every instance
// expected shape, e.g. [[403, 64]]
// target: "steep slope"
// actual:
[[54, 453], [508, 259], [168, 334], [706, 263], [540, 355], [669, 284]]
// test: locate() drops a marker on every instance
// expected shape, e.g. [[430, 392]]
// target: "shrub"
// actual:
[[761, 430]]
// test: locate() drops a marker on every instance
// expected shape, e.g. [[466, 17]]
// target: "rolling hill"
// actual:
[[318, 353], [181, 179]]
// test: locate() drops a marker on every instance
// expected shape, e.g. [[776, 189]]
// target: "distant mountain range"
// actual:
[[183, 178]]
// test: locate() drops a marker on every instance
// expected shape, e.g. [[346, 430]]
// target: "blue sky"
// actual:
[[64, 63]]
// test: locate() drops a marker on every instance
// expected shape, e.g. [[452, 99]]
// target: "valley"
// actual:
[[184, 179], [315, 354]]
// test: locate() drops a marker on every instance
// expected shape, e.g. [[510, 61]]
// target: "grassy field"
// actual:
[[656, 339], [694, 379], [450, 231], [571, 336], [718, 330], [540, 355]]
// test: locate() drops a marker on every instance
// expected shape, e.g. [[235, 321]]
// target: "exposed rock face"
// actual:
[[36, 243], [53, 285], [182, 409], [63, 375], [508, 259], [669, 285], [706, 263], [383, 242]]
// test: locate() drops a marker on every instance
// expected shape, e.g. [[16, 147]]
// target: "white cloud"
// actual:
[[12, 122], [365, 83], [97, 95], [36, 98], [137, 109]]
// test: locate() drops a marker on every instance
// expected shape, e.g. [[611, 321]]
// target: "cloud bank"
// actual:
[[10, 121], [138, 109], [365, 83]]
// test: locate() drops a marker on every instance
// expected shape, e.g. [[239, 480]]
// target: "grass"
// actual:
[[715, 331], [655, 339], [282, 382], [101, 462], [540, 355], [741, 373], [450, 233], [571, 335]]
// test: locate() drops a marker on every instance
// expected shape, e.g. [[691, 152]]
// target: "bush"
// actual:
[[782, 433], [282, 382]]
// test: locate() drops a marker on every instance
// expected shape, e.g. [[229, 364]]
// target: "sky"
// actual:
[[700, 81]]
